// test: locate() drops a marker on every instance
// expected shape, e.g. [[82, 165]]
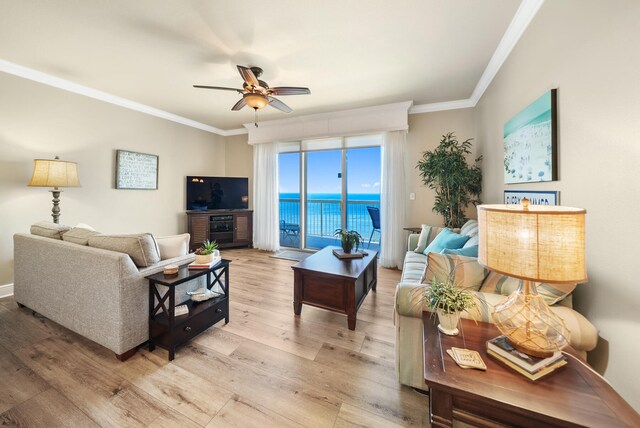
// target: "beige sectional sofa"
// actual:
[[98, 293], [409, 308]]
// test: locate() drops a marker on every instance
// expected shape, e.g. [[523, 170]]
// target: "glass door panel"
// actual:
[[363, 194], [289, 182], [324, 197]]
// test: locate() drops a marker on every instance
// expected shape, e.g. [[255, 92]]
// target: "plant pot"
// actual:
[[347, 247], [203, 259], [448, 322]]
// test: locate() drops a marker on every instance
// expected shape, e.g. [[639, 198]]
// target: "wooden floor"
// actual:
[[265, 368]]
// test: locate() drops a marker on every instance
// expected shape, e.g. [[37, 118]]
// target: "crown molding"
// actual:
[[521, 20], [447, 105], [56, 82]]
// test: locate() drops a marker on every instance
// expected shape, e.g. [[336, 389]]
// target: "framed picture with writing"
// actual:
[[537, 197], [136, 170]]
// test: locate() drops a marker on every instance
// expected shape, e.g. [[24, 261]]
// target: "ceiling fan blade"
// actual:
[[248, 75], [239, 105], [218, 87], [276, 103], [289, 90]]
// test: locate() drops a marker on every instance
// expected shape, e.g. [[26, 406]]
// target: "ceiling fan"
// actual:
[[256, 93]]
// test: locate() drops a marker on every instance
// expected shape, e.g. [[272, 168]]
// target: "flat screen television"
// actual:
[[217, 193]]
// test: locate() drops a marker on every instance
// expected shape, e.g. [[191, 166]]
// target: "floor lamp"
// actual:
[[537, 243], [54, 173]]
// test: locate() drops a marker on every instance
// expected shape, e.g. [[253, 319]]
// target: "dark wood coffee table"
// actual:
[[573, 396], [325, 281]]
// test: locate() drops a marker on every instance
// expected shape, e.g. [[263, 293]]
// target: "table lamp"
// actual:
[[54, 173], [537, 243]]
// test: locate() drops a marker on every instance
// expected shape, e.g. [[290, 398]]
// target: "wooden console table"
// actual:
[[573, 396]]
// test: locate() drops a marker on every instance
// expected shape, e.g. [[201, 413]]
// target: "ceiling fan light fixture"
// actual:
[[255, 101]]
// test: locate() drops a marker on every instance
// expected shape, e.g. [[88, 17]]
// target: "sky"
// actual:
[[323, 167]]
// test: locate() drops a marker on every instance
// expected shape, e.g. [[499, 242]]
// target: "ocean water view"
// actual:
[[324, 213]]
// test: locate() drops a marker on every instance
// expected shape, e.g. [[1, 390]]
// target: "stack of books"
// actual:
[[532, 368], [195, 265]]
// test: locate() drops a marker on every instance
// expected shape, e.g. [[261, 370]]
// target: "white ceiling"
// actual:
[[350, 53]]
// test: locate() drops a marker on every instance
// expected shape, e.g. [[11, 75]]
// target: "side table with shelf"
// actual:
[[168, 331]]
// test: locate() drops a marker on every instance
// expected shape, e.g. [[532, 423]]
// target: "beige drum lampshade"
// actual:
[[54, 173], [538, 243]]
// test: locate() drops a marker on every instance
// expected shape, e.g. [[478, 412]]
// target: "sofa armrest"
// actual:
[[408, 299], [412, 242]]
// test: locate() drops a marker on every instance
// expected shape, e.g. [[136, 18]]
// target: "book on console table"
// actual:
[[195, 265], [499, 345], [352, 255]]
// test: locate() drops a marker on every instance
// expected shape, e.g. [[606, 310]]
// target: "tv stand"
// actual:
[[229, 228]]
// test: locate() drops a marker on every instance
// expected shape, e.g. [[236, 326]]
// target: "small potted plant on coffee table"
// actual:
[[207, 252], [348, 239], [448, 301]]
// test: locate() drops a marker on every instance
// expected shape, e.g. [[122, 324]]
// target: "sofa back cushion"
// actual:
[[470, 228], [173, 246], [49, 229], [79, 235], [142, 248], [466, 272], [505, 285]]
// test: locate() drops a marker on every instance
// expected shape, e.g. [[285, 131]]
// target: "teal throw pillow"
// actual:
[[446, 239], [471, 251]]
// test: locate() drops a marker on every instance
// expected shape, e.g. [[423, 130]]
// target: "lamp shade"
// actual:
[[538, 243], [54, 173]]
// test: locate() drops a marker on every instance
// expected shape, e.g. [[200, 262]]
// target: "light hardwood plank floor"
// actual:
[[266, 368]]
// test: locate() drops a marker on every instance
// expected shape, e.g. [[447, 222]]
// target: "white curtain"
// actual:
[[392, 200], [266, 230]]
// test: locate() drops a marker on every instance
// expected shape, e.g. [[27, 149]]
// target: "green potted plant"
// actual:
[[448, 301], [348, 239], [457, 184], [207, 252]]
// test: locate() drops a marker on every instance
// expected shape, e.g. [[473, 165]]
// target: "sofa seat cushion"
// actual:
[[173, 246], [505, 285], [413, 269], [465, 272], [79, 235], [49, 229], [142, 248]]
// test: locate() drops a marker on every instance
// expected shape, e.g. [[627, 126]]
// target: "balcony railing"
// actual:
[[324, 216]]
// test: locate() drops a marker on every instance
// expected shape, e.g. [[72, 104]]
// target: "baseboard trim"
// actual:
[[6, 290]]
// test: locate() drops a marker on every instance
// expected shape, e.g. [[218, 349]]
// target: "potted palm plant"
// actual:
[[349, 239], [448, 301], [457, 184], [207, 252]]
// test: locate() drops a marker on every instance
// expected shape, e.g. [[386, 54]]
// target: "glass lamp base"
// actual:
[[529, 324]]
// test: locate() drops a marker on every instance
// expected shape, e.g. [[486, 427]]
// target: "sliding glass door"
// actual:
[[322, 190]]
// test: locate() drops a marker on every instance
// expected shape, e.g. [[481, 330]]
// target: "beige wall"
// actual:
[[425, 132], [38, 121], [588, 50], [239, 160]]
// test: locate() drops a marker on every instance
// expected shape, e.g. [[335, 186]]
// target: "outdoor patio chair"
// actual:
[[289, 230], [374, 213]]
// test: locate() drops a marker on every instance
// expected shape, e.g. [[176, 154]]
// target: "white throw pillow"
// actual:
[[173, 246]]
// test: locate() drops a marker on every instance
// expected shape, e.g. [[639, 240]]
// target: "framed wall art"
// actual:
[[530, 142], [136, 170], [541, 197]]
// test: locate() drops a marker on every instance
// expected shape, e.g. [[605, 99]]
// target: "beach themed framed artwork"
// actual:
[[536, 197], [530, 142]]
